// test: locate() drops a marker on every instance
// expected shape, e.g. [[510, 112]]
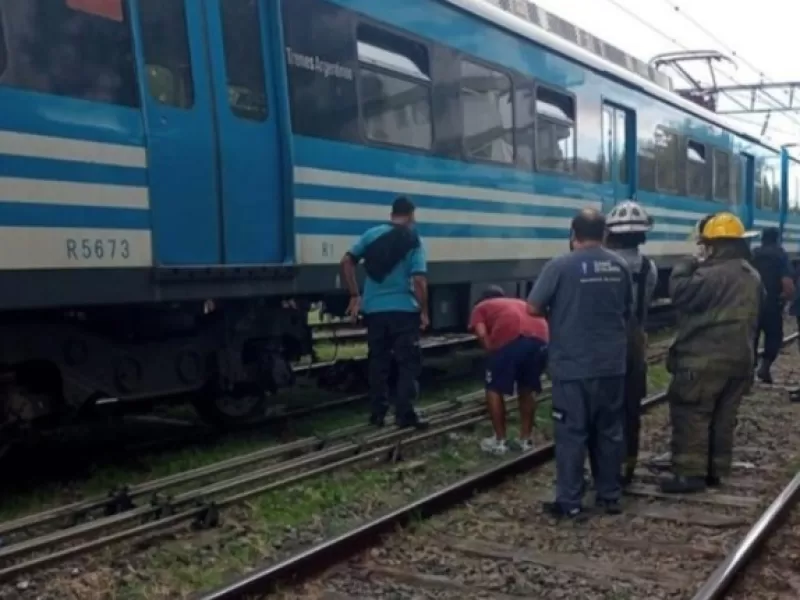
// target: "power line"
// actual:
[[730, 50], [672, 40]]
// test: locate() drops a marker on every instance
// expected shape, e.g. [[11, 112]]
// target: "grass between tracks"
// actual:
[[277, 524]]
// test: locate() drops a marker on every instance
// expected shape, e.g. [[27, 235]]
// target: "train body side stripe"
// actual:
[[343, 179], [72, 150], [41, 191]]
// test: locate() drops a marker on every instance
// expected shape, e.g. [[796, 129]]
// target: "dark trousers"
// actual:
[[393, 335], [770, 322], [703, 408], [588, 415]]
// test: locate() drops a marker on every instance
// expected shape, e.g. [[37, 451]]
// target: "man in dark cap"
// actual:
[[395, 306]]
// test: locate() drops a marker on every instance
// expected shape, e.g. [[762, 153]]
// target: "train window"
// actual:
[[165, 43], [696, 169], [76, 48], [395, 89], [607, 137], [767, 189], [487, 114], [244, 59], [647, 166], [722, 176], [737, 173], [555, 131], [666, 148], [525, 123], [794, 193], [759, 184], [321, 66]]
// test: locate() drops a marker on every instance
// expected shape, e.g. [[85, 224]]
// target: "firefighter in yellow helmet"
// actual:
[[716, 295]]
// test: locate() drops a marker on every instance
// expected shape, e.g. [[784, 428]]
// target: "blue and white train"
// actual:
[[179, 178]]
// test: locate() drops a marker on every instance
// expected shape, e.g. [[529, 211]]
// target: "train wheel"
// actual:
[[229, 410]]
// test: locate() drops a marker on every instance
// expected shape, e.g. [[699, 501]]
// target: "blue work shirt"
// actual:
[[587, 296], [396, 291], [772, 264]]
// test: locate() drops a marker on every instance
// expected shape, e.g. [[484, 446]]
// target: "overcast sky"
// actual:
[[759, 36]]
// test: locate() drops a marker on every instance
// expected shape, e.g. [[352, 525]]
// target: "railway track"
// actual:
[[499, 545], [48, 538]]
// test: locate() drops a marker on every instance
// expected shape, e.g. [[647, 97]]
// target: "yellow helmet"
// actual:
[[724, 225]]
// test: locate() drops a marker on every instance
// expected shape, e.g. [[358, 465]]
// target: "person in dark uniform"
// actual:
[[395, 306], [772, 264], [586, 295], [716, 296], [628, 224]]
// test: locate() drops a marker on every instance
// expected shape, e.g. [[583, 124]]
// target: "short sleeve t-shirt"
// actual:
[[395, 293], [587, 296], [505, 320]]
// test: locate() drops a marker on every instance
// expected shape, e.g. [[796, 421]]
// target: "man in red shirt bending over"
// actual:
[[517, 346]]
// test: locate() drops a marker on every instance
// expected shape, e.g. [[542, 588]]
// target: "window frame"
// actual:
[[566, 93], [263, 64], [133, 41], [461, 58], [359, 65], [146, 78], [659, 189], [764, 193], [715, 152], [708, 165]]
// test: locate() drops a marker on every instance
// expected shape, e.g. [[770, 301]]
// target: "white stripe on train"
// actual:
[[353, 211], [328, 249], [42, 191], [72, 150]]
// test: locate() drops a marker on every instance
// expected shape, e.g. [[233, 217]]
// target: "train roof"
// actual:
[[526, 29]]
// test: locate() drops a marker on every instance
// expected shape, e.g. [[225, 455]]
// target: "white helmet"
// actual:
[[628, 217]]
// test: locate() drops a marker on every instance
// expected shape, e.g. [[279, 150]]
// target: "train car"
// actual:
[[181, 178], [791, 206]]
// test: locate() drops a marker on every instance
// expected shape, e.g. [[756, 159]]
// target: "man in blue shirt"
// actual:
[[395, 307], [586, 295]]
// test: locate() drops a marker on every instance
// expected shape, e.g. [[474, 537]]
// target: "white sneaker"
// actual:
[[525, 445], [492, 445], [661, 461]]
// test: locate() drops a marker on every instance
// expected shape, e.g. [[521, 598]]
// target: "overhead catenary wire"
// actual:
[[676, 42], [731, 51]]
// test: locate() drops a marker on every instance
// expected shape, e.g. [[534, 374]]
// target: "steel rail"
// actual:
[[334, 453], [734, 564], [316, 559], [339, 457], [426, 344], [306, 444]]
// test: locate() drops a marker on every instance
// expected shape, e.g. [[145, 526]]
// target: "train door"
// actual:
[[216, 192], [619, 147]]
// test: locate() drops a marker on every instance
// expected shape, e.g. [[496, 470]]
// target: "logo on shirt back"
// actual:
[[606, 266], [601, 271]]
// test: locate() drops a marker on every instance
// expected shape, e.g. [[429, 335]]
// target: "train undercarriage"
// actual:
[[226, 358]]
